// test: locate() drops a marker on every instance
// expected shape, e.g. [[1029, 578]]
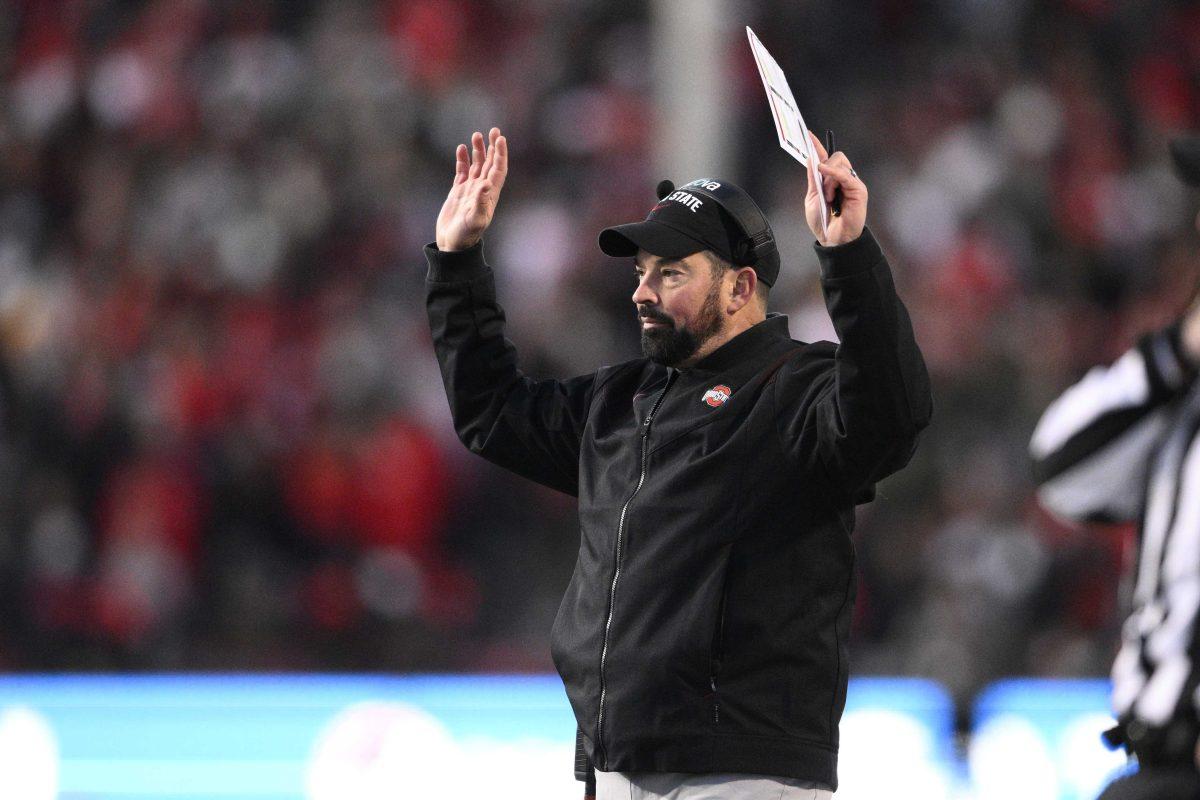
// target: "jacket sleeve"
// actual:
[[1092, 446], [858, 408], [532, 428]]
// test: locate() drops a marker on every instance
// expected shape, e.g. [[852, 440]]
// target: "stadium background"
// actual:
[[224, 445]]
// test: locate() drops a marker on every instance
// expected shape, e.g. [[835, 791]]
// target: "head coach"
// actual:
[[702, 638]]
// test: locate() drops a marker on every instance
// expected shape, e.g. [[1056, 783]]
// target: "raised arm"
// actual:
[[530, 427], [1092, 446], [857, 408]]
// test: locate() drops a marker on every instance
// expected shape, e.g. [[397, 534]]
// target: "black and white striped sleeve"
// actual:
[[1090, 448]]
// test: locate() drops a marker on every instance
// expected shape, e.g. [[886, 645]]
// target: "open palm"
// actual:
[[471, 203]]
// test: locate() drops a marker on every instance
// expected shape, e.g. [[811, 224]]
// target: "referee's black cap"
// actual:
[[685, 222], [1185, 152]]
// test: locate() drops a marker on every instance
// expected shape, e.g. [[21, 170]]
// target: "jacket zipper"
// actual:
[[718, 655], [612, 590]]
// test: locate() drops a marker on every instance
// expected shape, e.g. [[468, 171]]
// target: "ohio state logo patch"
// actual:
[[717, 396]]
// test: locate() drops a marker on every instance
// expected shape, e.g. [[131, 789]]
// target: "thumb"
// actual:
[[811, 194], [813, 180]]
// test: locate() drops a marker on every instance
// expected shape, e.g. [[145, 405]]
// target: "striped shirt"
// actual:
[[1122, 445]]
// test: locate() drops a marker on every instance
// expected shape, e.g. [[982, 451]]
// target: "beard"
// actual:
[[671, 345]]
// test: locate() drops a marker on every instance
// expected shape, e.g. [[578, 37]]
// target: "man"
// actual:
[[702, 638], [1123, 445]]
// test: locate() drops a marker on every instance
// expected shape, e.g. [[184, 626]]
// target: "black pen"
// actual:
[[835, 207]]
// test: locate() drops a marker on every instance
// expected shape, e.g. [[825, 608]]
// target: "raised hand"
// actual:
[[478, 179], [837, 171]]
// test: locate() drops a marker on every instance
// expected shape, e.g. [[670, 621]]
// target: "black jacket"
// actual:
[[705, 626]]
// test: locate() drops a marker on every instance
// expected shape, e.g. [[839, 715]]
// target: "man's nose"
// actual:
[[643, 294]]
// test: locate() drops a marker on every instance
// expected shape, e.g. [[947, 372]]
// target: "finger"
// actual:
[[839, 174], [461, 164], [820, 148], [476, 154], [837, 159], [499, 169], [812, 183], [493, 134]]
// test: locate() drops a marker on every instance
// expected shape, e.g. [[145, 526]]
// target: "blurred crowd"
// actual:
[[223, 439]]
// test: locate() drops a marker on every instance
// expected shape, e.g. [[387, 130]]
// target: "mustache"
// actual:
[[645, 312]]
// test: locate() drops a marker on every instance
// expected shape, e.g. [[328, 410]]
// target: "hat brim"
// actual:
[[654, 237], [1185, 152]]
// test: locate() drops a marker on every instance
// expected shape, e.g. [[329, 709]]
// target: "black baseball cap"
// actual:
[[685, 221], [1185, 152]]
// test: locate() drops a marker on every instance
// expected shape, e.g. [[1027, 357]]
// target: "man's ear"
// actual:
[[745, 283]]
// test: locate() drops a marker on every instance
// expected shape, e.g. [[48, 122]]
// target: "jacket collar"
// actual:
[[745, 345]]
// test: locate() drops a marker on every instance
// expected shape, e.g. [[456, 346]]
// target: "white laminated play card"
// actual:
[[789, 123]]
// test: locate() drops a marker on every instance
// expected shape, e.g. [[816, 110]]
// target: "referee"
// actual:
[[1123, 445]]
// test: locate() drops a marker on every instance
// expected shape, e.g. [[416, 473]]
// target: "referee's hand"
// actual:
[[838, 173], [478, 179]]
